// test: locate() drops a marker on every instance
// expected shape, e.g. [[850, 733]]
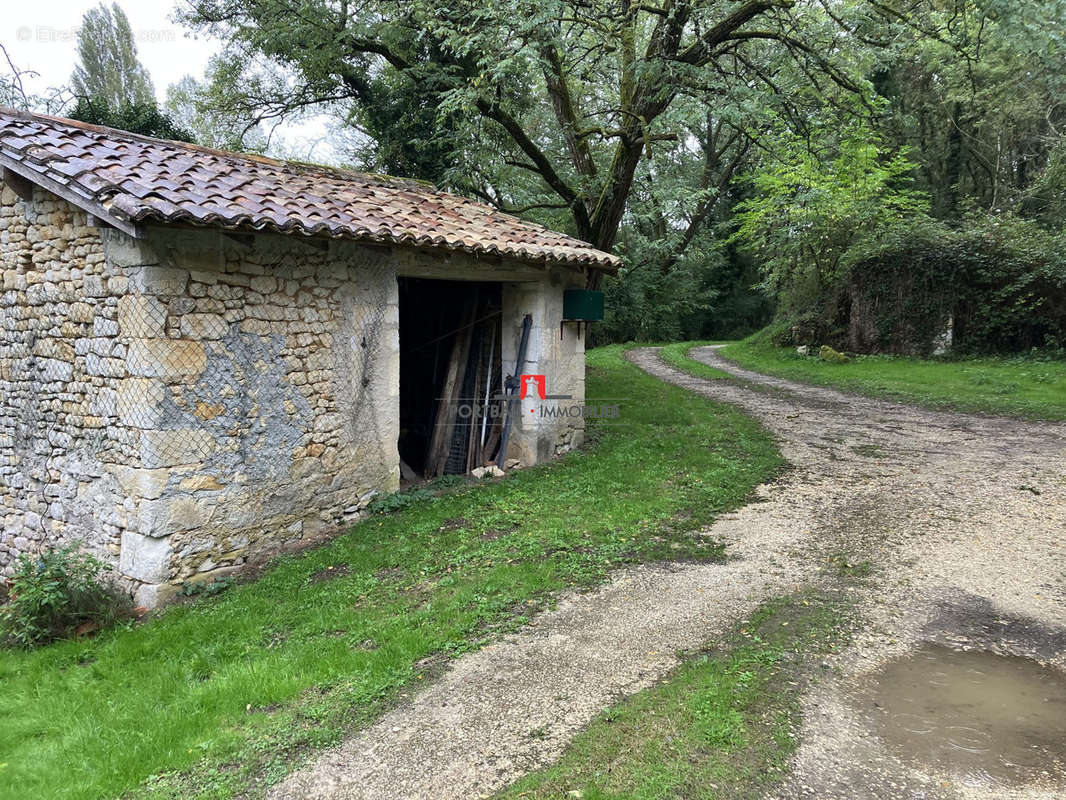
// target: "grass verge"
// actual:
[[1023, 387], [676, 355], [224, 696], [722, 726]]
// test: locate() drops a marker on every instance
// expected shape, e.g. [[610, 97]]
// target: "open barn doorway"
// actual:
[[450, 364]]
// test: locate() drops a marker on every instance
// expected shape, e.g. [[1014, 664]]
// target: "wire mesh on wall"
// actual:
[[238, 388]]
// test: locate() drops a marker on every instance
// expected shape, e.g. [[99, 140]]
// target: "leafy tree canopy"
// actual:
[[143, 118], [489, 93], [976, 88], [109, 71], [810, 206]]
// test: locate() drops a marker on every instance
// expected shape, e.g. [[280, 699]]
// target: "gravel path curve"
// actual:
[[964, 517]]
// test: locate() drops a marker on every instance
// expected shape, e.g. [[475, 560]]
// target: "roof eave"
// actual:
[[135, 228], [610, 267], [86, 203]]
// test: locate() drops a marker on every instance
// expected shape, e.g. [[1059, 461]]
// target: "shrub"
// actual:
[[54, 594], [1000, 282], [143, 118]]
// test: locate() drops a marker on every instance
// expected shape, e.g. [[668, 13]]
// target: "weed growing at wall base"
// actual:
[[56, 594]]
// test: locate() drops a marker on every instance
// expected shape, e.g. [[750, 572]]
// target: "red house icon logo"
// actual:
[[534, 385]]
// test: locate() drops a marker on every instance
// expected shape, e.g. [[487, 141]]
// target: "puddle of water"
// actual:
[[994, 718]]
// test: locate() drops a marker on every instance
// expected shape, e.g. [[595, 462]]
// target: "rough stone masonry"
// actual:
[[183, 403]]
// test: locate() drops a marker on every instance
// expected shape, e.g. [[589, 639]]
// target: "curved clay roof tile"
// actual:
[[128, 177]]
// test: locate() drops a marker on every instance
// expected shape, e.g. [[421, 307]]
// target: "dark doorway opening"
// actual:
[[449, 363]]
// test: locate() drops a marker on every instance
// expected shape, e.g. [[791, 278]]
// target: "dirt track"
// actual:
[[962, 517]]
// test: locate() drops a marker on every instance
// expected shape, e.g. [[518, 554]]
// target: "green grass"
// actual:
[[676, 355], [1023, 387], [227, 693], [722, 726]]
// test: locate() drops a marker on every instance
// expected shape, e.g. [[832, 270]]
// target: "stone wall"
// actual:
[[186, 402], [261, 387], [183, 403], [58, 381], [542, 430]]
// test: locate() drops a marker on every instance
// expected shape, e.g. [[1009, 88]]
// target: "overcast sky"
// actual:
[[41, 35]]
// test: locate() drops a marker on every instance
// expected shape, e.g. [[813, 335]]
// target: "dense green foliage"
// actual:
[[975, 88], [143, 118], [998, 284], [943, 213], [710, 294], [212, 695], [52, 594], [809, 209], [911, 284]]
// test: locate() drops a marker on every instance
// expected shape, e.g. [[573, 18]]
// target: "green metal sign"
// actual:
[[584, 305]]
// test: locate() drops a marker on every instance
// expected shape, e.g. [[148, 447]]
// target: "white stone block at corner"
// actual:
[[160, 518], [144, 558], [153, 595]]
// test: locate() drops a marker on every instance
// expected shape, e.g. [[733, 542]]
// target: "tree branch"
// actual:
[[497, 203], [540, 161], [563, 105], [703, 213], [700, 51]]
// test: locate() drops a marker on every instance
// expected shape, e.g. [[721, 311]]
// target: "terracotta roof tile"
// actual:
[[137, 179]]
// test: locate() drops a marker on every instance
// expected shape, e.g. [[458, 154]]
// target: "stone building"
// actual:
[[201, 352]]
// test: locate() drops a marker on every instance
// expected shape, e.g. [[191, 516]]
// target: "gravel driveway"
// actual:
[[963, 519]]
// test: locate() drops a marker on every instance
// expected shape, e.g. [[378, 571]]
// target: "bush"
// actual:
[[1000, 283], [54, 594]]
